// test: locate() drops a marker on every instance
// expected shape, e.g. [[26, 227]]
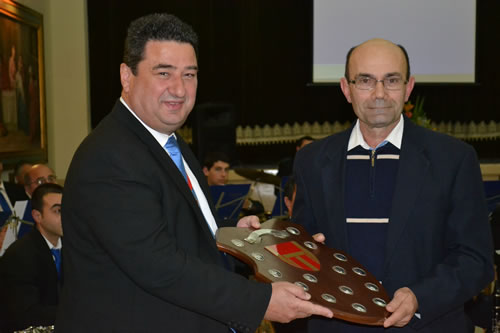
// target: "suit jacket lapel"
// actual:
[[165, 161], [333, 185], [413, 165], [44, 250], [194, 165]]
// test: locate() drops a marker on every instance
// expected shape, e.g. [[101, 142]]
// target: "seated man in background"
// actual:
[[37, 175], [216, 168], [285, 166], [20, 170], [30, 268]]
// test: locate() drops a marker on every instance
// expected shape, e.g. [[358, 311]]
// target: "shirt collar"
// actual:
[[162, 138], [395, 137], [49, 244]]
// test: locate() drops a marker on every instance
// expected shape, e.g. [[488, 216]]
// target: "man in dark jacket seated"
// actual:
[[30, 269]]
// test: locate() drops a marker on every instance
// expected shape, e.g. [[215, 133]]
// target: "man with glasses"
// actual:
[[37, 175], [407, 202]]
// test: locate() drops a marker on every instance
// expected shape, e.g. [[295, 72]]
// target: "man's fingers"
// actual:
[[399, 318], [403, 307], [298, 292], [289, 302], [319, 237], [320, 310], [251, 221], [394, 303]]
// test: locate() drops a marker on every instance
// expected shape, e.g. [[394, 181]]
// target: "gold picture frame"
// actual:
[[23, 134]]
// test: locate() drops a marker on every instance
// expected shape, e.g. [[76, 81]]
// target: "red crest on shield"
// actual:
[[294, 254]]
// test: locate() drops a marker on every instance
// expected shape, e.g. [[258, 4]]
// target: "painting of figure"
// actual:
[[22, 114]]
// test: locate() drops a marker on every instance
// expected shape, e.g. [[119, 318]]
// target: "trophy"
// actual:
[[284, 251]]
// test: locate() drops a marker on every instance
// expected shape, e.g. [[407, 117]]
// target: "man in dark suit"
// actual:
[[29, 282], [407, 202], [38, 174], [140, 254]]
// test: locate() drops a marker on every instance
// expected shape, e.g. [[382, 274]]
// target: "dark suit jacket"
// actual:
[[138, 254], [438, 241], [15, 192], [28, 284]]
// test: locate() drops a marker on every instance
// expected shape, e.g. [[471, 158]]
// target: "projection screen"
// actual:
[[439, 35]]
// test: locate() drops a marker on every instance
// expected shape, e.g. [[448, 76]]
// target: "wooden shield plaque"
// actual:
[[283, 251]]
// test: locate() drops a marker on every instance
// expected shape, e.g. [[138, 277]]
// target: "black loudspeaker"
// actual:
[[214, 129]]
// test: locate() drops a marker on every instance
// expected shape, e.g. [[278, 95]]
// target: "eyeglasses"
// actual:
[[43, 180], [363, 82]]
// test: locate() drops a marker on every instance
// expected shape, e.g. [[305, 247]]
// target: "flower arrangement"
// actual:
[[416, 112]]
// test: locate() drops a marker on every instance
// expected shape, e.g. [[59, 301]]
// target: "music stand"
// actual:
[[229, 199]]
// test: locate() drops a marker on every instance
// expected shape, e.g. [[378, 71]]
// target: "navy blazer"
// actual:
[[438, 240], [29, 287], [138, 253]]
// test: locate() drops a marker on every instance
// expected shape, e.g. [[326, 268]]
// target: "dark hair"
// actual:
[[213, 157], [348, 57], [27, 178], [155, 27], [18, 166], [302, 139], [289, 188], [41, 191]]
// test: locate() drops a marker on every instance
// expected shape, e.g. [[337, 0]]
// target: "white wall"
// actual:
[[67, 77]]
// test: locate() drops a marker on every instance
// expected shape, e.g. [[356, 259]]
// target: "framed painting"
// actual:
[[22, 86]]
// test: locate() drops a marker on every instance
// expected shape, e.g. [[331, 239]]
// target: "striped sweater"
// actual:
[[370, 183]]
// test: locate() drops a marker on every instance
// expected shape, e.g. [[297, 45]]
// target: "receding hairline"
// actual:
[[380, 42]]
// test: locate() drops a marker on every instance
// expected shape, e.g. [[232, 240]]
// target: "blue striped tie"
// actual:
[[175, 153]]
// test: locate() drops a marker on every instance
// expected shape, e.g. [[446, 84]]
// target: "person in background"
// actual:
[[407, 202], [37, 175], [30, 269], [216, 168], [289, 194], [20, 170], [285, 166]]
